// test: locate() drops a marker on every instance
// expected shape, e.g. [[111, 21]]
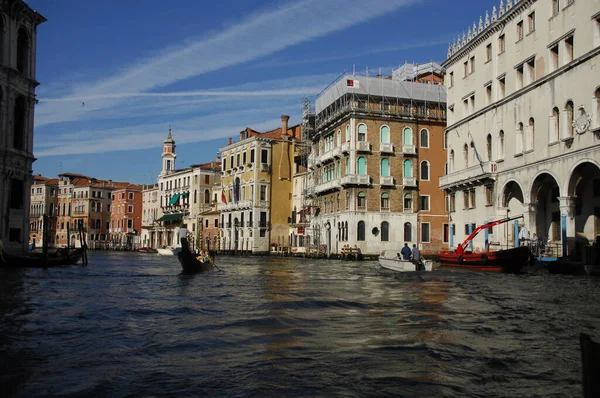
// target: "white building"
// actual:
[[150, 213], [18, 31], [181, 195], [523, 129]]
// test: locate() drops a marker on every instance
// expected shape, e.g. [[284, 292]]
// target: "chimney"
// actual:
[[284, 126], [229, 141]]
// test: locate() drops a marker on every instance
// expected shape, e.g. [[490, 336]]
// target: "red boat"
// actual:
[[508, 260]]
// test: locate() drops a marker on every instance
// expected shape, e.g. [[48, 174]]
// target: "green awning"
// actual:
[[171, 217], [174, 199], [185, 194]]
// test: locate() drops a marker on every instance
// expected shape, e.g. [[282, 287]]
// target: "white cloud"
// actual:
[[257, 36]]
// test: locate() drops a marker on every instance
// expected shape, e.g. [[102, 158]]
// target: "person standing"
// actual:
[[406, 253], [183, 234]]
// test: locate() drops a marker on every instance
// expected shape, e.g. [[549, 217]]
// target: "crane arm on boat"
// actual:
[[460, 249]]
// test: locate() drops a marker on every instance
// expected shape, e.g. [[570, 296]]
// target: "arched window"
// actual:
[[501, 143], [424, 138], [339, 138], [206, 196], [385, 167], [488, 146], [360, 231], [408, 201], [407, 136], [554, 129], [466, 155], [385, 201], [23, 50], [407, 232], [445, 140], [51, 210], [236, 190], [361, 164], [385, 231], [451, 160], [425, 170], [361, 201], [19, 123], [385, 134], [362, 132], [348, 135], [408, 171], [530, 133], [569, 121], [519, 138]]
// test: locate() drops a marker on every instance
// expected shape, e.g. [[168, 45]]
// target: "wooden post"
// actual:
[[45, 235]]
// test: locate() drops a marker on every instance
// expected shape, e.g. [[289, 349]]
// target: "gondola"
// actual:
[[57, 259], [189, 263], [590, 366]]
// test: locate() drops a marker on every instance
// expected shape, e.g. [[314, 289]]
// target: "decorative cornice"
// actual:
[[457, 49]]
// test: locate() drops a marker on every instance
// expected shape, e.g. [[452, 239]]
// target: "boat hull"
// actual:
[[60, 258], [509, 260], [403, 265], [169, 251], [189, 263]]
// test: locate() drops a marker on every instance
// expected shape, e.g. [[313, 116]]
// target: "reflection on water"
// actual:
[[130, 324]]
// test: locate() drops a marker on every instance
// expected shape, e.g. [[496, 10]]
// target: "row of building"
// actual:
[[507, 125]]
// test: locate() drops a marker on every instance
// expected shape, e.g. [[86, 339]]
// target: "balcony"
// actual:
[[363, 146], [249, 224], [265, 168], [409, 181], [409, 149], [328, 186], [356, 179], [386, 148], [470, 175], [326, 157], [386, 180], [346, 147], [337, 152]]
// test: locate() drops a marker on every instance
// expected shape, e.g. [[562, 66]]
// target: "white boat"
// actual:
[[389, 259], [169, 251]]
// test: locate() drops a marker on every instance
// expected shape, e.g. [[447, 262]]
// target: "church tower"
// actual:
[[168, 155]]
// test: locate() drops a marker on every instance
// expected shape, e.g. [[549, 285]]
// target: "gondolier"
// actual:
[[183, 233]]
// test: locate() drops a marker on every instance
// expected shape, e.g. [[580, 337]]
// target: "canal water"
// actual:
[[130, 325]]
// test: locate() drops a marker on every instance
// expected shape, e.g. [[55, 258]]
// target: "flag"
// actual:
[[475, 149], [223, 198]]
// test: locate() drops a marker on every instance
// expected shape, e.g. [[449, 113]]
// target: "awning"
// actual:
[[185, 194], [171, 217], [174, 199]]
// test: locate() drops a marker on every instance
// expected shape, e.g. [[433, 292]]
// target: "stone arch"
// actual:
[[512, 189], [23, 50], [544, 192], [583, 186]]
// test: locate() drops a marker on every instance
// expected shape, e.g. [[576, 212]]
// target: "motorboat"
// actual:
[[168, 251], [389, 259]]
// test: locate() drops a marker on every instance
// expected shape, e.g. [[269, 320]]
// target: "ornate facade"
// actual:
[[524, 123], [18, 31]]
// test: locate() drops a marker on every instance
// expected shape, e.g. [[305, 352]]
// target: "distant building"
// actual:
[[18, 34], [255, 203], [377, 154], [524, 123], [183, 194], [44, 194], [428, 73], [126, 216], [150, 213]]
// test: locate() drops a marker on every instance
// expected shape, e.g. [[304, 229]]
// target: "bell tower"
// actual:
[[168, 155]]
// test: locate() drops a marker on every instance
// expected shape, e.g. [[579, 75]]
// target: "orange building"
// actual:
[[126, 215]]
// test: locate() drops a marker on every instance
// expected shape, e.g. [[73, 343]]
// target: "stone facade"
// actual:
[[373, 162], [18, 33], [524, 123]]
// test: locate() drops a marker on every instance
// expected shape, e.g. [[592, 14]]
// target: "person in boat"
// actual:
[[183, 233], [416, 257], [406, 252]]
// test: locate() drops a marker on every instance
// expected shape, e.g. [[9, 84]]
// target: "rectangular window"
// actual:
[[264, 156], [531, 22], [237, 160], [17, 195], [555, 7], [519, 30], [244, 158], [488, 52], [465, 68], [252, 156], [216, 223], [263, 192], [207, 179], [424, 202], [472, 198], [472, 64], [489, 195], [502, 86], [488, 94], [130, 209], [465, 199], [501, 44], [425, 232], [452, 202], [451, 79], [568, 49], [130, 195], [472, 103], [129, 224], [554, 60], [224, 166], [446, 233], [466, 106], [519, 77]]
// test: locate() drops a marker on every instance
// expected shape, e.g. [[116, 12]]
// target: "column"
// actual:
[[451, 231], [530, 215], [516, 232], [470, 232], [567, 221]]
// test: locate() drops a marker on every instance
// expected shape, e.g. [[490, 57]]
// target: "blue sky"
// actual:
[[140, 66]]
